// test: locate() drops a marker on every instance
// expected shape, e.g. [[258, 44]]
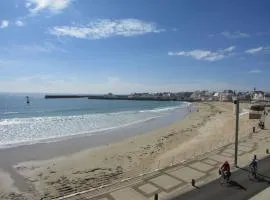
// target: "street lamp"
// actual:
[[236, 102]]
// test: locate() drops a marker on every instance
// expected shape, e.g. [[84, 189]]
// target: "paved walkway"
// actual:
[[241, 186], [175, 180], [264, 195]]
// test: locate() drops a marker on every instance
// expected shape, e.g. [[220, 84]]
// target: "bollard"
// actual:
[[193, 182], [267, 151], [253, 129], [156, 197]]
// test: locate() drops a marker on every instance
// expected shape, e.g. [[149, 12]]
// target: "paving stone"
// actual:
[[166, 182], [73, 198], [77, 197], [220, 158], [201, 166], [161, 195], [241, 152], [148, 188], [211, 162], [127, 193], [231, 151], [247, 144], [226, 154], [214, 172], [258, 137], [186, 174], [244, 148]]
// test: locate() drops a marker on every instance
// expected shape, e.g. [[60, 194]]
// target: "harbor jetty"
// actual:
[[64, 96], [136, 96]]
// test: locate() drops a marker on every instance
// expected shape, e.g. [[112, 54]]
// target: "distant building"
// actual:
[[226, 96], [202, 96], [258, 96], [216, 96], [196, 96], [267, 96], [244, 96]]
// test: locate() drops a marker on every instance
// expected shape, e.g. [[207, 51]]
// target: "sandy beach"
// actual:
[[209, 126]]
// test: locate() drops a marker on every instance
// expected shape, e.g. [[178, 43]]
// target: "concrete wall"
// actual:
[[254, 116]]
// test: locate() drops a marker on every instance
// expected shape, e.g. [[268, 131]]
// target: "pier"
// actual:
[[120, 97]]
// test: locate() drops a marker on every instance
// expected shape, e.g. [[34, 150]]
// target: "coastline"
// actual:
[[82, 168], [11, 181], [85, 121]]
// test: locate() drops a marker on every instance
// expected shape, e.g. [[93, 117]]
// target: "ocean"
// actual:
[[55, 119]]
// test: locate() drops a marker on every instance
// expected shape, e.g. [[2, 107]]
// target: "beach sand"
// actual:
[[211, 125]]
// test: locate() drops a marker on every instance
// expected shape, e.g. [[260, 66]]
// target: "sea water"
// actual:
[[53, 119]]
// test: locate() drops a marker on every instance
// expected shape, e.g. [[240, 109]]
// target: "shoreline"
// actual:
[[112, 128], [11, 156], [143, 126], [82, 168]]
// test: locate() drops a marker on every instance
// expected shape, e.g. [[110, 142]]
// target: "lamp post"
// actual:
[[236, 102]]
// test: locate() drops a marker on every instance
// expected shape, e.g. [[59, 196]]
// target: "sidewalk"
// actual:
[[176, 180], [264, 195]]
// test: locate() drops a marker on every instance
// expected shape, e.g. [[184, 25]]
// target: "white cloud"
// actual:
[[32, 49], [105, 28], [207, 55], [28, 4], [235, 35], [254, 50], [19, 23], [4, 24], [54, 6], [229, 49], [5, 62], [37, 77], [255, 71], [113, 80], [263, 33]]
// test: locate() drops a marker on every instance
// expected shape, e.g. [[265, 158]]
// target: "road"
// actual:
[[240, 188]]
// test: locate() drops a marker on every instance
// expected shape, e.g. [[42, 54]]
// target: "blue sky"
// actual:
[[100, 46]]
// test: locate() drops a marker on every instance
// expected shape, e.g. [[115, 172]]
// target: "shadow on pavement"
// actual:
[[259, 178], [196, 187], [262, 178], [235, 184], [244, 169]]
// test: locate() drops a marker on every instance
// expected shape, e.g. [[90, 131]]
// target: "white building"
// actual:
[[226, 95], [216, 96], [258, 95], [267, 96], [196, 95]]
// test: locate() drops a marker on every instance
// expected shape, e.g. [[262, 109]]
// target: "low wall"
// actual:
[[254, 116]]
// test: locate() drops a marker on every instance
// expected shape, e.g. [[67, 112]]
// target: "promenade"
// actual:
[[174, 181]]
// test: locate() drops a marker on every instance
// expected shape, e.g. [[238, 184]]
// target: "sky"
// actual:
[[119, 46]]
